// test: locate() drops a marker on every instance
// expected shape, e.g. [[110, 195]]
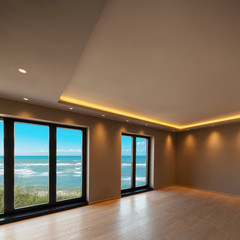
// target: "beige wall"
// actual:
[[206, 158], [210, 159], [104, 169]]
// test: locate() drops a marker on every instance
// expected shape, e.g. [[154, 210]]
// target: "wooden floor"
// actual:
[[171, 213]]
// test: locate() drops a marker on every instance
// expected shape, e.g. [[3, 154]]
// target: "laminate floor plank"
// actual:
[[172, 213]]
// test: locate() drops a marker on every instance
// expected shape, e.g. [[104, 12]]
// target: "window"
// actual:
[[134, 163], [31, 164], [126, 166], [44, 166], [1, 169], [69, 163], [141, 162]]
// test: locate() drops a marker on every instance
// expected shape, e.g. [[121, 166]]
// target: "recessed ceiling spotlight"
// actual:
[[71, 108], [103, 115], [25, 99], [21, 70]]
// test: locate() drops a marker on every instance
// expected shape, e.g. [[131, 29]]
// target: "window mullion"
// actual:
[[134, 164], [52, 168], [8, 166]]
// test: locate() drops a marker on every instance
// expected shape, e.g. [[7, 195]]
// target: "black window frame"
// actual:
[[10, 213], [133, 189]]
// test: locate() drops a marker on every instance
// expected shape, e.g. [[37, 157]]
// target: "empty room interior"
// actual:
[[120, 119]]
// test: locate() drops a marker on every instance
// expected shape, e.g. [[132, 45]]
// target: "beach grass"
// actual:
[[35, 196], [1, 200]]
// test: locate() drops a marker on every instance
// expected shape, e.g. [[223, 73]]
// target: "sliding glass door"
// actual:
[[141, 161], [69, 163], [42, 166], [31, 164], [126, 165], [134, 162]]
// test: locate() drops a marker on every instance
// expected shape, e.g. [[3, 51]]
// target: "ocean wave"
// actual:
[[30, 164], [68, 174], [129, 164], [138, 179], [30, 173], [68, 164], [43, 164]]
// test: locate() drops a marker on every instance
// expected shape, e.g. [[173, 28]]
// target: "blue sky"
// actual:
[[32, 140], [127, 146]]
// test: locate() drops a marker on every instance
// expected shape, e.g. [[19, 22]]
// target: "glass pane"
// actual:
[[126, 163], [69, 163], [1, 169], [31, 164], [141, 162]]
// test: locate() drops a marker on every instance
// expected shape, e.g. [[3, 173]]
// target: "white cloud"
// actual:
[[61, 151], [42, 151], [69, 150], [126, 151], [140, 144]]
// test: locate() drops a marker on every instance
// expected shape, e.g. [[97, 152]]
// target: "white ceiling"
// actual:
[[170, 60]]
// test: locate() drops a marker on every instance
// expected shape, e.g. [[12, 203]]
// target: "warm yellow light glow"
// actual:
[[114, 111], [190, 141], [214, 142], [25, 99], [204, 123], [68, 100]]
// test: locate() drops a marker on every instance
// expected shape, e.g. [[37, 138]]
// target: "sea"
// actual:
[[126, 169], [33, 171]]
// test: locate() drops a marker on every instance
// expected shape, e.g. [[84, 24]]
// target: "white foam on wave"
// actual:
[[68, 164], [129, 164], [140, 179], [30, 164], [42, 164], [29, 173], [69, 174]]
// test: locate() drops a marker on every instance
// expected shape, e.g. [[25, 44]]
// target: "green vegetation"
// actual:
[[1, 199], [30, 196], [34, 196], [63, 194]]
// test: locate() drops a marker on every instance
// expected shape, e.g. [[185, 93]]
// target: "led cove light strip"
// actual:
[[68, 100]]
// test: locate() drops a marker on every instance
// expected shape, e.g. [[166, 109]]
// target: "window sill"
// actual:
[[36, 213], [136, 191]]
